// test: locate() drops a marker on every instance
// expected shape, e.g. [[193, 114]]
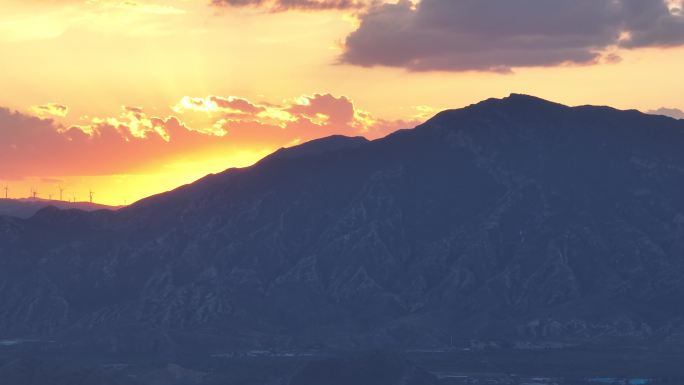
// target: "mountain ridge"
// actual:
[[512, 219], [355, 142], [27, 207]]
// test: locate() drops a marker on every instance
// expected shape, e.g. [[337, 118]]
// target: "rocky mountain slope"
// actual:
[[515, 220]]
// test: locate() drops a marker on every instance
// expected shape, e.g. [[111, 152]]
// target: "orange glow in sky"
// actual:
[[133, 98]]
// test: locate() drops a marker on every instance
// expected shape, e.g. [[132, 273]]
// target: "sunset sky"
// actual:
[[131, 98]]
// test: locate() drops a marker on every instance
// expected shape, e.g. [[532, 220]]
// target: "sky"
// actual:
[[131, 98]]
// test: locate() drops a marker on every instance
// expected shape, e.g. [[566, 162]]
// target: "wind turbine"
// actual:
[[91, 196], [61, 193], [34, 193], [6, 191]]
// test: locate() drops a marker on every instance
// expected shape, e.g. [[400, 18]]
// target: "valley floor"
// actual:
[[25, 362]]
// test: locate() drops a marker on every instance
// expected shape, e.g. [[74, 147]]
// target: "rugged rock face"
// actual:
[[513, 219]]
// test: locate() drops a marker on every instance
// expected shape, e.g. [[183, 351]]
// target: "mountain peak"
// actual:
[[515, 100], [513, 103], [318, 146], [525, 97]]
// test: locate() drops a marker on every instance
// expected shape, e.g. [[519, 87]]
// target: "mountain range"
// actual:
[[514, 221], [27, 207]]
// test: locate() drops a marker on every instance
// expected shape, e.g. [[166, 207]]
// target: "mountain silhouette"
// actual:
[[26, 207], [317, 147], [512, 219]]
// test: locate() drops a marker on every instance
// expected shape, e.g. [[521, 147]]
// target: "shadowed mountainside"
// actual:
[[513, 219], [25, 208]]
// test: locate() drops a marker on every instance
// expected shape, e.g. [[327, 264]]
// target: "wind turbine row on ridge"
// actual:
[[35, 195]]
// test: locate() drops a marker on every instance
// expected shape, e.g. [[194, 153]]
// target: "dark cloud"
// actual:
[[651, 23], [497, 35], [671, 112], [286, 5]]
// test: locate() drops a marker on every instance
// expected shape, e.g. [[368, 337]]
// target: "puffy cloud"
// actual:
[[54, 109], [32, 146], [40, 147], [286, 5], [304, 118], [236, 104], [498, 35], [326, 108], [671, 112], [213, 103]]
